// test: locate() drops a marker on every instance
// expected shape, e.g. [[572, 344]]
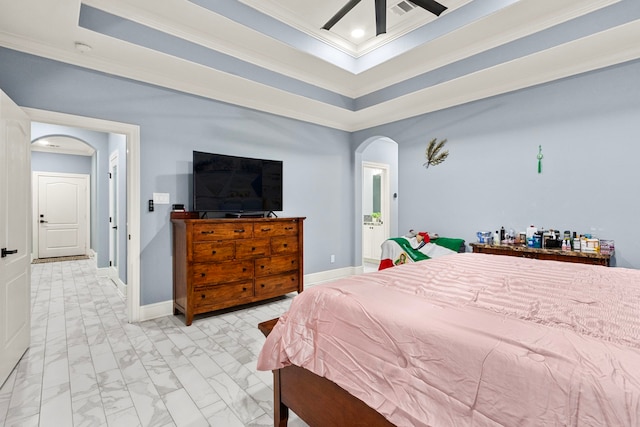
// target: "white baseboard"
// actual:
[[112, 273], [165, 308], [329, 275], [154, 311]]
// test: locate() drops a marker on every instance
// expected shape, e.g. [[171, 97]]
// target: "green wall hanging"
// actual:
[[540, 156]]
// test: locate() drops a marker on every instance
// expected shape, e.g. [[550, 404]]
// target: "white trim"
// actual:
[[611, 46], [132, 133], [112, 274], [105, 272], [329, 275], [114, 216], [154, 311]]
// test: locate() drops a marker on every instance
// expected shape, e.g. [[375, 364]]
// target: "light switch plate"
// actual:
[[161, 198]]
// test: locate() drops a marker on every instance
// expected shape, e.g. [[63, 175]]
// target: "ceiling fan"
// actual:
[[381, 12]]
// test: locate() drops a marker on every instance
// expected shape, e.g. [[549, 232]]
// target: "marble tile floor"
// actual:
[[88, 367]]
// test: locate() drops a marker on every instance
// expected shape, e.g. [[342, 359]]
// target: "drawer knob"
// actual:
[[203, 296], [202, 274], [285, 245], [207, 232], [244, 269], [266, 229], [244, 289], [262, 286], [262, 266], [288, 228], [213, 252], [253, 248], [239, 231]]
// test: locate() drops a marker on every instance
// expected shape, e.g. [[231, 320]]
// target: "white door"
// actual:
[[62, 214], [15, 235], [113, 211]]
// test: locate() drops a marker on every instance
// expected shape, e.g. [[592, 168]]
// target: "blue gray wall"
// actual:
[[60, 163], [588, 127], [318, 166]]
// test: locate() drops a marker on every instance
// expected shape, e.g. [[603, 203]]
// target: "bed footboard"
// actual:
[[316, 400]]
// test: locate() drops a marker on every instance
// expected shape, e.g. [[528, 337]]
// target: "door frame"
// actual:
[[385, 202], [35, 189], [113, 213], [132, 134]]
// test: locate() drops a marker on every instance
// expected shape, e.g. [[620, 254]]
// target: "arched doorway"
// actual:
[[378, 157]]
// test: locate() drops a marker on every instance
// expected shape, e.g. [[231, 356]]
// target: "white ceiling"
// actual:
[[310, 16], [51, 29]]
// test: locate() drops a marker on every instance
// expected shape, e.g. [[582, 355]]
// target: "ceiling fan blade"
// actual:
[[430, 6], [338, 16], [381, 17]]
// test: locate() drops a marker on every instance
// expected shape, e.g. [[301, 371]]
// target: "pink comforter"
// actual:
[[474, 340]]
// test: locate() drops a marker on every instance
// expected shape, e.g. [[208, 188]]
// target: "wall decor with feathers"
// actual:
[[434, 154]]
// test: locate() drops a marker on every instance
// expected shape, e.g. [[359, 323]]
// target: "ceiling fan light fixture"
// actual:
[[357, 33], [381, 12]]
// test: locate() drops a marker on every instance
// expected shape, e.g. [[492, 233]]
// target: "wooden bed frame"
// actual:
[[316, 400]]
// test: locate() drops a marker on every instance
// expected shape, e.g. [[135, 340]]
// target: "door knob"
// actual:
[[42, 221], [115, 227]]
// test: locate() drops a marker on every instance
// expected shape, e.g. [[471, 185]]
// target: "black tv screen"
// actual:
[[236, 184]]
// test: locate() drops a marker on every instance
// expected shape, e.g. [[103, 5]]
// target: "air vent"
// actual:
[[403, 7]]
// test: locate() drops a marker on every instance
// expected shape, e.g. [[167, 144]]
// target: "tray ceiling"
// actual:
[[270, 55]]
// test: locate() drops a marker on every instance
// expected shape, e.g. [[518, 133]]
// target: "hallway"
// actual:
[[88, 367]]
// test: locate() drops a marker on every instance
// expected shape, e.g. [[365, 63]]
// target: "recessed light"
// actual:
[[357, 33]]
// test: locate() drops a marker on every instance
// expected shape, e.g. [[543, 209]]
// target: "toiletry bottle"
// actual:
[[496, 238], [501, 234]]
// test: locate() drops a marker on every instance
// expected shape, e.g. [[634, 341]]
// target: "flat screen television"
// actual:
[[236, 184]]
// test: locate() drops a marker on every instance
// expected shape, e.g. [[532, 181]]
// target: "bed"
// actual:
[[415, 247], [466, 340]]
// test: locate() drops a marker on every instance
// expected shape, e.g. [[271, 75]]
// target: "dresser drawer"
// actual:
[[252, 248], [214, 273], [224, 231], [222, 296], [276, 229], [214, 251], [276, 264], [267, 287], [284, 245]]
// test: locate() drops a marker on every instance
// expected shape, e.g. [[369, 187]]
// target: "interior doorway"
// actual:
[[131, 134], [375, 209], [378, 152]]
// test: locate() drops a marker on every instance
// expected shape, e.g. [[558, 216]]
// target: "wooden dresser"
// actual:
[[222, 263], [550, 254]]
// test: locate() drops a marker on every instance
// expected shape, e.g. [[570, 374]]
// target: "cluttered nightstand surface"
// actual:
[[547, 254]]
